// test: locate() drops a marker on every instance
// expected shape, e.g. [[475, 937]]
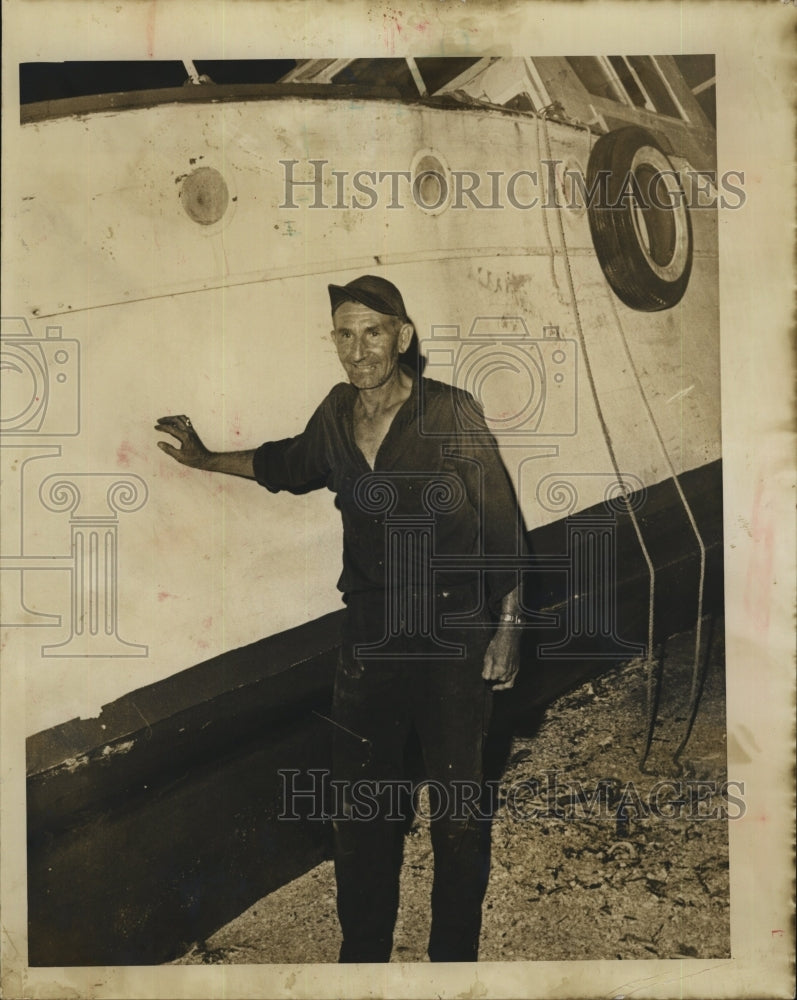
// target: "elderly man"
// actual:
[[424, 646]]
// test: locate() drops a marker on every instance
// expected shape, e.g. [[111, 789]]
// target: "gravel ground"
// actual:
[[566, 883]]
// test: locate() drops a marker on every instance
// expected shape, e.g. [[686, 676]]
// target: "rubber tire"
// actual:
[[614, 234]]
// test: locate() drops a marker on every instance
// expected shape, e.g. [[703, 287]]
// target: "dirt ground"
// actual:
[[591, 858]]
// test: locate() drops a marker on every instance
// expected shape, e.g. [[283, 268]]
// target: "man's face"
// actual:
[[368, 343]]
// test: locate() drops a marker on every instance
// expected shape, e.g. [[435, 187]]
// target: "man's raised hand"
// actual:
[[195, 455], [191, 451]]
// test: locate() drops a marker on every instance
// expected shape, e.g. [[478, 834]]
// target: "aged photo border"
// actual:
[[755, 74]]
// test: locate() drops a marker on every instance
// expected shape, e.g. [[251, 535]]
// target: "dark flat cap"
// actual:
[[370, 290]]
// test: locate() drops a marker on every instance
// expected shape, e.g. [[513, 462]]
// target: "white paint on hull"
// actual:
[[229, 323]]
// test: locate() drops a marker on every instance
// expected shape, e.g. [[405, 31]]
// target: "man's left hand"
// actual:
[[502, 659]]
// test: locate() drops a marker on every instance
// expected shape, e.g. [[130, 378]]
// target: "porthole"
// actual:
[[431, 182]]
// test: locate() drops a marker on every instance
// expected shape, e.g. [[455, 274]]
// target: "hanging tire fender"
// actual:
[[639, 220]]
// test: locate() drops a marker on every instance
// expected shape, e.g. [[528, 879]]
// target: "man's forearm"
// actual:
[[508, 630], [510, 603], [231, 463]]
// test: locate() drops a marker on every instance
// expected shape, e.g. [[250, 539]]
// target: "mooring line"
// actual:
[[697, 683], [613, 457]]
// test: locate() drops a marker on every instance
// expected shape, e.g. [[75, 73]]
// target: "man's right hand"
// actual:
[[195, 455], [191, 451]]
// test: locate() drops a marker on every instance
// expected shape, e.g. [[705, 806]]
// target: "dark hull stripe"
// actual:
[[145, 838]]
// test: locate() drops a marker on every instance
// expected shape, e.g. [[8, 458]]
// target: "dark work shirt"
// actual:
[[437, 466]]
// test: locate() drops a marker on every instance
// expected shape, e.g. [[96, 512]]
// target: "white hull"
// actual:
[[229, 322]]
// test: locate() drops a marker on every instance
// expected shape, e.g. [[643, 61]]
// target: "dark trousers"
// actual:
[[376, 703]]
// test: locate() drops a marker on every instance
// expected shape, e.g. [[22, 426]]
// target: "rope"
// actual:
[[608, 439], [554, 279], [694, 697], [698, 680]]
